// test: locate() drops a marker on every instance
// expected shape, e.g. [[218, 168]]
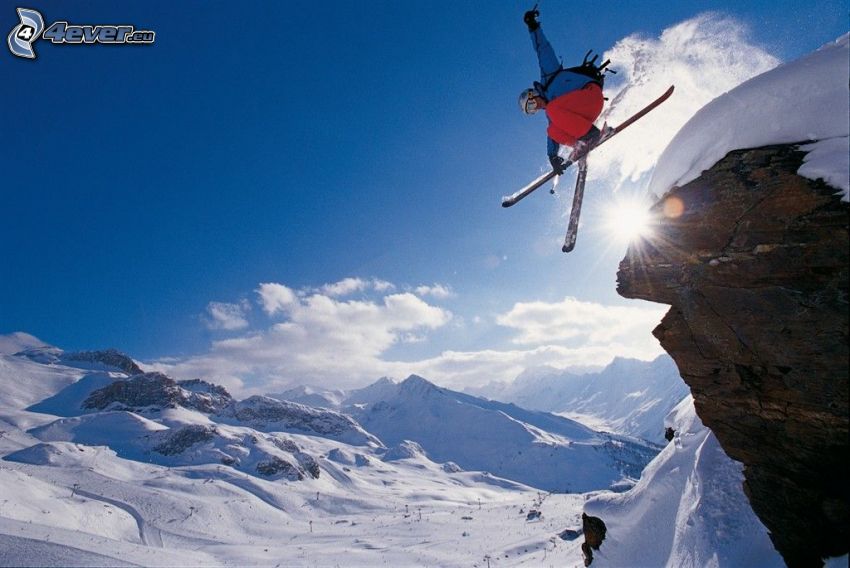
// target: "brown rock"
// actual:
[[756, 271], [594, 533]]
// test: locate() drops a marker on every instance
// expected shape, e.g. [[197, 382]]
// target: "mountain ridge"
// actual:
[[537, 448]]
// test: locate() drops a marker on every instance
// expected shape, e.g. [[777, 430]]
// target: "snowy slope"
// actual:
[[687, 510], [70, 498], [535, 448], [628, 397], [177, 439], [804, 100], [27, 382], [93, 508]]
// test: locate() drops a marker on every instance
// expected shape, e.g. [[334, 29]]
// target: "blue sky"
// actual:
[[148, 192]]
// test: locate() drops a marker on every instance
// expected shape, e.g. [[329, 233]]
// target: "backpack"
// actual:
[[588, 68]]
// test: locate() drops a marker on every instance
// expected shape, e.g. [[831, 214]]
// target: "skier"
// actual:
[[572, 98]]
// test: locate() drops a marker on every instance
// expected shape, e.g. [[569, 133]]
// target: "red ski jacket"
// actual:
[[572, 114]]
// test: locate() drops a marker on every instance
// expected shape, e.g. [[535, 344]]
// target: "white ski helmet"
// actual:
[[527, 104]]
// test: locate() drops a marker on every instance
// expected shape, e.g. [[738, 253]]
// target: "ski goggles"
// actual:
[[529, 101], [531, 105]]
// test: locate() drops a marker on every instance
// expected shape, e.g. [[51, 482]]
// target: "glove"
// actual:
[[558, 165], [530, 19]]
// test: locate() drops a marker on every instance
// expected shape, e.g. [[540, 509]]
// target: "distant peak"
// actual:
[[415, 383], [19, 341], [416, 379]]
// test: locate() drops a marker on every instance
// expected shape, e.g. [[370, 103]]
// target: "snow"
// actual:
[[687, 510], [87, 488], [34, 383], [80, 489], [828, 160], [19, 551], [19, 341], [69, 400], [800, 101]]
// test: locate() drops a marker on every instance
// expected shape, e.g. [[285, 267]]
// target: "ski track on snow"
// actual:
[[148, 534]]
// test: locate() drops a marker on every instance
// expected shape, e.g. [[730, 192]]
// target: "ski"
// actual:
[[578, 195], [510, 200]]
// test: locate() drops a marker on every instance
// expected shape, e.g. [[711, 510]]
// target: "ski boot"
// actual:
[[586, 143]]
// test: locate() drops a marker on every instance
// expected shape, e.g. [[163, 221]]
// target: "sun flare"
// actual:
[[628, 219]]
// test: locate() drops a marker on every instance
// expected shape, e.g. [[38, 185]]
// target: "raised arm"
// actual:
[[549, 64]]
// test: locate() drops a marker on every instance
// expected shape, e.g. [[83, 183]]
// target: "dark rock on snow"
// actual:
[[594, 530]]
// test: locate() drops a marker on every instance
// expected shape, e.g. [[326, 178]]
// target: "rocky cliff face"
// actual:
[[155, 390], [754, 261], [267, 414]]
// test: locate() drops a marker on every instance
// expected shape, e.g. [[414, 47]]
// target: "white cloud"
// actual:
[[562, 334], [457, 369], [228, 317], [344, 287], [348, 286], [703, 57], [321, 339], [382, 285], [438, 291], [542, 322], [276, 298]]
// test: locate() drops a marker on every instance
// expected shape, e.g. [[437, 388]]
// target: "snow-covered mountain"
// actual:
[[19, 341], [106, 359], [535, 448], [101, 467], [103, 399], [629, 396], [152, 418], [481, 434], [148, 471]]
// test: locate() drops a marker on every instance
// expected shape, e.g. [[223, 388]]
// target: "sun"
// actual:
[[628, 218]]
